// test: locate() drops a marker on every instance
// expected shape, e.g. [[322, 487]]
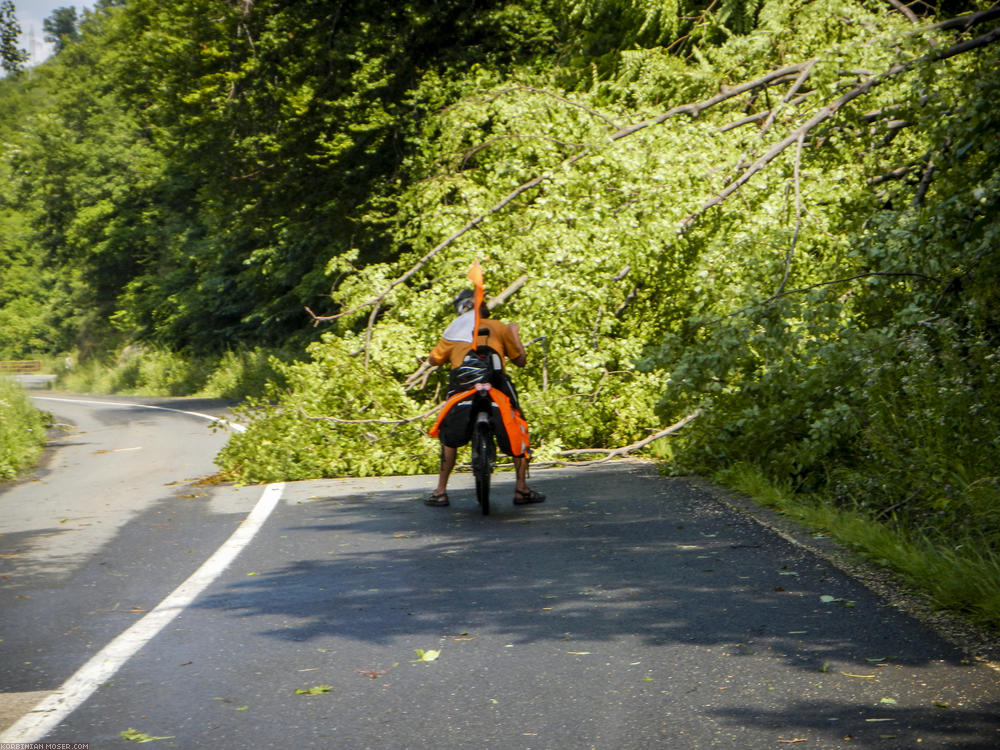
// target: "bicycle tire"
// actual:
[[483, 456]]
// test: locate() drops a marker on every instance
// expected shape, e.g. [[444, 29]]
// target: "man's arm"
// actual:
[[440, 354], [522, 355]]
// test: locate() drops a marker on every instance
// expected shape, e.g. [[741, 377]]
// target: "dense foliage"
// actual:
[[778, 215]]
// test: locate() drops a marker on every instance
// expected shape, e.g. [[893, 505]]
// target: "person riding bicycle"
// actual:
[[454, 427]]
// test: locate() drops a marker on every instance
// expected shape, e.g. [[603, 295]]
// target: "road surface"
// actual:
[[628, 611]]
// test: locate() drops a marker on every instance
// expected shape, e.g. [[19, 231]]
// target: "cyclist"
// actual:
[[455, 427]]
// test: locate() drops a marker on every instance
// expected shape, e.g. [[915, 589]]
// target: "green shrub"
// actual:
[[157, 372], [22, 430]]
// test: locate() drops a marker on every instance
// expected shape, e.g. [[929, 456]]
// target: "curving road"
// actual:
[[629, 611]]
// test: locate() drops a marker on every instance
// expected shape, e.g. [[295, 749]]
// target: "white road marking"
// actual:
[[69, 696], [44, 717]]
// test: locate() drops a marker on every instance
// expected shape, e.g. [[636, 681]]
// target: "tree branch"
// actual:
[[829, 111], [965, 22], [763, 115], [803, 77], [612, 453], [532, 183], [798, 216], [775, 76], [691, 109], [821, 284], [910, 15], [395, 422], [925, 184]]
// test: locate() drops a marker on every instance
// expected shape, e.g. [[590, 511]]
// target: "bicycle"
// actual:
[[484, 449]]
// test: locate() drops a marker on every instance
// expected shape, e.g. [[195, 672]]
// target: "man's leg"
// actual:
[[448, 456], [521, 473], [522, 493], [439, 498]]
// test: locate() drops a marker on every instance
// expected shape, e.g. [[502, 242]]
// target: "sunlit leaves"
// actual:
[[315, 690]]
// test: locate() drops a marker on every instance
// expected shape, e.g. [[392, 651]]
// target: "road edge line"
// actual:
[[234, 426], [69, 696]]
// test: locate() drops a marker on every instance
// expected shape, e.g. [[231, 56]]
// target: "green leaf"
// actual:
[[134, 735], [426, 656], [317, 690]]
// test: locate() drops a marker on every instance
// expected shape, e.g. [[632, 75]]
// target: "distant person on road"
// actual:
[[454, 427]]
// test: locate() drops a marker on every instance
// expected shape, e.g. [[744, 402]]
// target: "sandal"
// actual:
[[437, 499], [529, 496]]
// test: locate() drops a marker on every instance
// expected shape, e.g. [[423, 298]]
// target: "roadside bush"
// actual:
[[22, 430]]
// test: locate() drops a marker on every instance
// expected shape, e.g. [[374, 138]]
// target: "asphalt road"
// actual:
[[628, 611]]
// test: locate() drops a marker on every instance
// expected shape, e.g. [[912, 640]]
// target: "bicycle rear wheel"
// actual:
[[483, 458]]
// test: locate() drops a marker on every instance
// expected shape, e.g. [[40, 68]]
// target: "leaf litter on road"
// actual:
[[316, 690], [134, 735], [376, 673]]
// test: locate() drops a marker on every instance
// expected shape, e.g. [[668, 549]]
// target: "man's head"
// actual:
[[465, 300]]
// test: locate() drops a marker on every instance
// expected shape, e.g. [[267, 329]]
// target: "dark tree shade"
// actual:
[[61, 27]]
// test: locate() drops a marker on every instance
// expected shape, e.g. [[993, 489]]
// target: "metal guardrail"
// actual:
[[22, 366]]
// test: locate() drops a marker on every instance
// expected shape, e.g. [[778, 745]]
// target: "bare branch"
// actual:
[[803, 77], [757, 117], [507, 293], [395, 422], [612, 453], [877, 114], [775, 76], [764, 115], [904, 10], [896, 174], [418, 378], [368, 332], [965, 22], [968, 45], [798, 216], [925, 184]]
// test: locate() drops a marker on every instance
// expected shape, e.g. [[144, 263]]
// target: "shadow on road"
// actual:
[[600, 561]]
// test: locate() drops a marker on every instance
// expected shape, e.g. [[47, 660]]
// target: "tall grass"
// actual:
[[22, 430], [155, 372]]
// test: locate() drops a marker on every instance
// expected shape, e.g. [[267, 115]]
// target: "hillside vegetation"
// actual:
[[763, 231]]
